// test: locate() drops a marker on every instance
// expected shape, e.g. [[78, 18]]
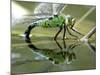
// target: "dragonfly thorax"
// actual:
[[54, 21]]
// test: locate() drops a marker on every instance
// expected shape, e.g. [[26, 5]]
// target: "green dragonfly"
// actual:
[[50, 15]]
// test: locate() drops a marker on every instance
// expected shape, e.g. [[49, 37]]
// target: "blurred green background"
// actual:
[[23, 60]]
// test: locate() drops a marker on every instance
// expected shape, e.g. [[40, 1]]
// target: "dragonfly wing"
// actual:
[[29, 20], [38, 15], [49, 8], [43, 10], [58, 8]]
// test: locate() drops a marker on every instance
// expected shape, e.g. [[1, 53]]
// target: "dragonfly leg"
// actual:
[[71, 33], [58, 44], [58, 33], [76, 31], [64, 35]]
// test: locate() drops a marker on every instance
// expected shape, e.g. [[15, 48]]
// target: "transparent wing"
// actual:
[[30, 20], [48, 9], [43, 11], [58, 8]]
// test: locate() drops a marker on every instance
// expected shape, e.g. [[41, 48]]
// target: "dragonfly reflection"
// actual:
[[64, 55]]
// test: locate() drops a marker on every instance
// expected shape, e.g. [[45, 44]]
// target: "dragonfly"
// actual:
[[50, 15]]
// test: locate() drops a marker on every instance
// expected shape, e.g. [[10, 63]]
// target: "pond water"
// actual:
[[44, 54]]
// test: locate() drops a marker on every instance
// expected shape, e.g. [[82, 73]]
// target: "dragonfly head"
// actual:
[[70, 20], [73, 21]]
